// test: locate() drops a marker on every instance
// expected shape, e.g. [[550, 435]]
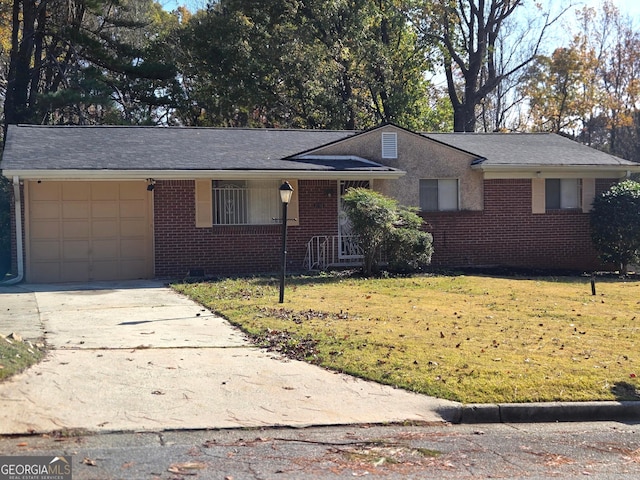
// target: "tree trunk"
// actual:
[[19, 79], [464, 117]]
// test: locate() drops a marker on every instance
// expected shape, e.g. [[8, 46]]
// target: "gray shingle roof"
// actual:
[[169, 148], [523, 149]]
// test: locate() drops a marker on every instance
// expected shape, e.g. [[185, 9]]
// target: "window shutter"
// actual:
[[588, 193], [389, 145], [204, 204], [538, 195]]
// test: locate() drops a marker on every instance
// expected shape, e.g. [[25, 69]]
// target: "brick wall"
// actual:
[[227, 250], [506, 233]]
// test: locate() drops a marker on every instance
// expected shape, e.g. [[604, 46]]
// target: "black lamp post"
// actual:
[[286, 191]]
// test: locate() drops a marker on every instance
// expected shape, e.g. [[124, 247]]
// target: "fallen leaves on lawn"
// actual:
[[305, 315], [288, 344]]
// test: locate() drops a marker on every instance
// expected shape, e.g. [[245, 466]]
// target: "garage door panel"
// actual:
[[132, 249], [106, 190], [45, 230], [75, 191], [131, 191], [104, 228], [45, 211], [46, 272], [45, 251], [75, 229], [132, 228], [104, 210], [132, 268], [80, 231], [45, 191], [75, 250], [105, 250], [106, 271], [79, 210], [133, 209], [75, 272]]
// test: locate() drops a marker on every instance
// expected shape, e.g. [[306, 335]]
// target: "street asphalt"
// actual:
[[529, 451], [139, 357]]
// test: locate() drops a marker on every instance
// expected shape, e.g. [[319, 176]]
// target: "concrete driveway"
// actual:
[[137, 356]]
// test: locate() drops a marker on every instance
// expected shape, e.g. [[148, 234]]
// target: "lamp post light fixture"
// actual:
[[286, 192]]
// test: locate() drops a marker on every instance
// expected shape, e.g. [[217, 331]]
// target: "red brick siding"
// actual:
[[228, 250], [506, 233]]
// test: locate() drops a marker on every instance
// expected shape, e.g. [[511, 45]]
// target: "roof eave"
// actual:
[[556, 171], [112, 175]]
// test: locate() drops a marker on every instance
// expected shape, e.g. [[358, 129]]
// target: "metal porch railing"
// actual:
[[332, 251], [335, 251]]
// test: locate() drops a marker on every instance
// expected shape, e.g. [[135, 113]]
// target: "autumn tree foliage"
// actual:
[[590, 89]]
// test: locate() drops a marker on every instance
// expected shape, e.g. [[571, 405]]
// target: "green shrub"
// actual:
[[381, 225], [615, 224]]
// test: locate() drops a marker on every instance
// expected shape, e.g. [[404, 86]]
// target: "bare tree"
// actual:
[[467, 34]]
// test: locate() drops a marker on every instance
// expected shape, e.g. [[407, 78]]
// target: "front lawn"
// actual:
[[466, 338], [17, 355]]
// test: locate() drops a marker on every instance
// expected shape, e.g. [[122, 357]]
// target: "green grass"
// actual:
[[465, 338], [16, 356]]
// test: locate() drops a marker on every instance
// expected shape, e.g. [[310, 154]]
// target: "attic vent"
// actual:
[[389, 145]]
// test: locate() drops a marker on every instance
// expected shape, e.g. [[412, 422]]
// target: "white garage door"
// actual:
[[84, 231]]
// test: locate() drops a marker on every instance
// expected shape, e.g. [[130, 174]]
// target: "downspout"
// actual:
[[19, 246]]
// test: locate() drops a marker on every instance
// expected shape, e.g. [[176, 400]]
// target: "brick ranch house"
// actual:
[[108, 203]]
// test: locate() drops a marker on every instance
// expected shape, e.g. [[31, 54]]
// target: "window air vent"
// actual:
[[389, 145]]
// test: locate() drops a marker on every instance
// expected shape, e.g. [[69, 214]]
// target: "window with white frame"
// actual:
[[562, 193], [246, 202], [439, 195]]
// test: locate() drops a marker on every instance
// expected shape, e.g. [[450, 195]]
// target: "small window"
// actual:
[[246, 202], [438, 195], [389, 145], [562, 194]]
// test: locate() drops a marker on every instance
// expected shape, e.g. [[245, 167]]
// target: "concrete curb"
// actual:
[[544, 412]]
